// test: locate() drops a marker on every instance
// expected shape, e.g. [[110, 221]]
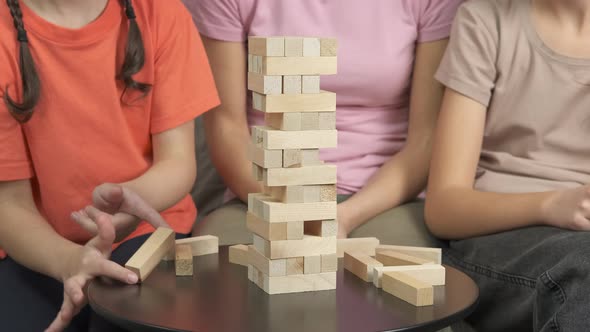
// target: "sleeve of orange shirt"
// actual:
[[184, 87]]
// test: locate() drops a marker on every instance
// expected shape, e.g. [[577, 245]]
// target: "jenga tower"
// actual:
[[294, 219]]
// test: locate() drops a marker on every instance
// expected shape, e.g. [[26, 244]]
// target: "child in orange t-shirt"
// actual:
[[98, 97]]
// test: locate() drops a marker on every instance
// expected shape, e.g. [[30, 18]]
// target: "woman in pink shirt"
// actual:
[[387, 103]]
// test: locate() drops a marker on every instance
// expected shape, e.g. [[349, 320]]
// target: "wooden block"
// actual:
[[266, 230], [266, 85], [310, 139], [145, 259], [327, 120], [270, 210], [308, 246], [310, 121], [323, 228], [312, 264], [296, 283], [283, 121], [238, 254], [409, 289], [431, 274], [431, 254], [257, 172], [392, 258], [292, 84], [306, 65], [294, 46], [295, 230], [309, 175], [361, 265], [301, 157], [311, 46], [184, 260], [273, 268], [310, 84], [328, 193], [265, 158], [364, 246], [328, 47], [266, 46], [295, 266], [329, 263], [250, 63], [301, 194], [202, 245], [279, 103]]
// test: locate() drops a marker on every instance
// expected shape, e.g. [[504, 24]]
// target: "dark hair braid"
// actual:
[[134, 52]]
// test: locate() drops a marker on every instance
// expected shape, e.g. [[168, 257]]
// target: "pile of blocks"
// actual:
[[293, 220]]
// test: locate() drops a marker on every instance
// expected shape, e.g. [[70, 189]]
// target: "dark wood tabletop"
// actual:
[[219, 297]]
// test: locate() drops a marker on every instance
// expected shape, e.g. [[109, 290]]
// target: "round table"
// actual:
[[219, 297]]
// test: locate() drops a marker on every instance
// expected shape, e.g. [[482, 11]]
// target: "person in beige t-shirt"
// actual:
[[510, 174]]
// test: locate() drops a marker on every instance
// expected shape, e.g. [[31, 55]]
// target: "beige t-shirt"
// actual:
[[537, 132]]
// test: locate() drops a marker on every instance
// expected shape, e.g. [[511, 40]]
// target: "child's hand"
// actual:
[[569, 209], [89, 262]]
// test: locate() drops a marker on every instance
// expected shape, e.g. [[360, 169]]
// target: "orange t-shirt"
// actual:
[[87, 129]]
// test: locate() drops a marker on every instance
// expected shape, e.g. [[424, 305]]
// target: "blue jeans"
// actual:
[[530, 279]]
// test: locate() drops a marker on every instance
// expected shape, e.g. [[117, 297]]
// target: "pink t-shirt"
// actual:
[[377, 41]]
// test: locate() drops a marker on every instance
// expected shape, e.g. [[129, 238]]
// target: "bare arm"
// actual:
[[404, 176], [226, 127]]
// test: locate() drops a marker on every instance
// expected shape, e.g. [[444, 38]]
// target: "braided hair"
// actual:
[[31, 86]]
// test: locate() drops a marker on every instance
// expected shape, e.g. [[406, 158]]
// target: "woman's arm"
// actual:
[[404, 176], [226, 127], [455, 210]]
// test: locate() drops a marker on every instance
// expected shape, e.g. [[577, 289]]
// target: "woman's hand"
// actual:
[[89, 262], [344, 219], [568, 209]]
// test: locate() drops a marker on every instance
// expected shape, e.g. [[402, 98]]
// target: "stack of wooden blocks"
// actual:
[[294, 218]]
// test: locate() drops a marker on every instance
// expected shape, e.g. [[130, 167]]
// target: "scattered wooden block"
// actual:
[[266, 85], [431, 254], [270, 210], [361, 265], [431, 274], [295, 265], [311, 46], [392, 258], [364, 246], [202, 245], [266, 46], [328, 47], [145, 259], [295, 176], [295, 230], [408, 289], [312, 264], [329, 263], [310, 84], [265, 158], [272, 139], [292, 84], [301, 157], [306, 65], [294, 283], [238, 254], [266, 230], [273, 268], [279, 103], [283, 121], [310, 121], [293, 46], [308, 246], [184, 260], [327, 120], [323, 228]]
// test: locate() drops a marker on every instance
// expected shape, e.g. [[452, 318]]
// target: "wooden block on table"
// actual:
[[266, 46], [312, 264], [329, 263], [323, 228], [311, 46], [145, 259], [265, 158], [184, 260], [310, 121], [266, 230], [295, 230], [294, 46], [392, 258], [409, 289], [202, 245], [308, 246], [361, 265], [278, 103], [309, 175], [273, 139], [431, 254], [310, 84], [364, 246], [301, 157], [283, 121], [266, 85], [306, 65], [328, 47], [431, 274], [272, 211], [292, 84], [273, 268], [327, 120], [238, 254], [295, 265], [295, 283]]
